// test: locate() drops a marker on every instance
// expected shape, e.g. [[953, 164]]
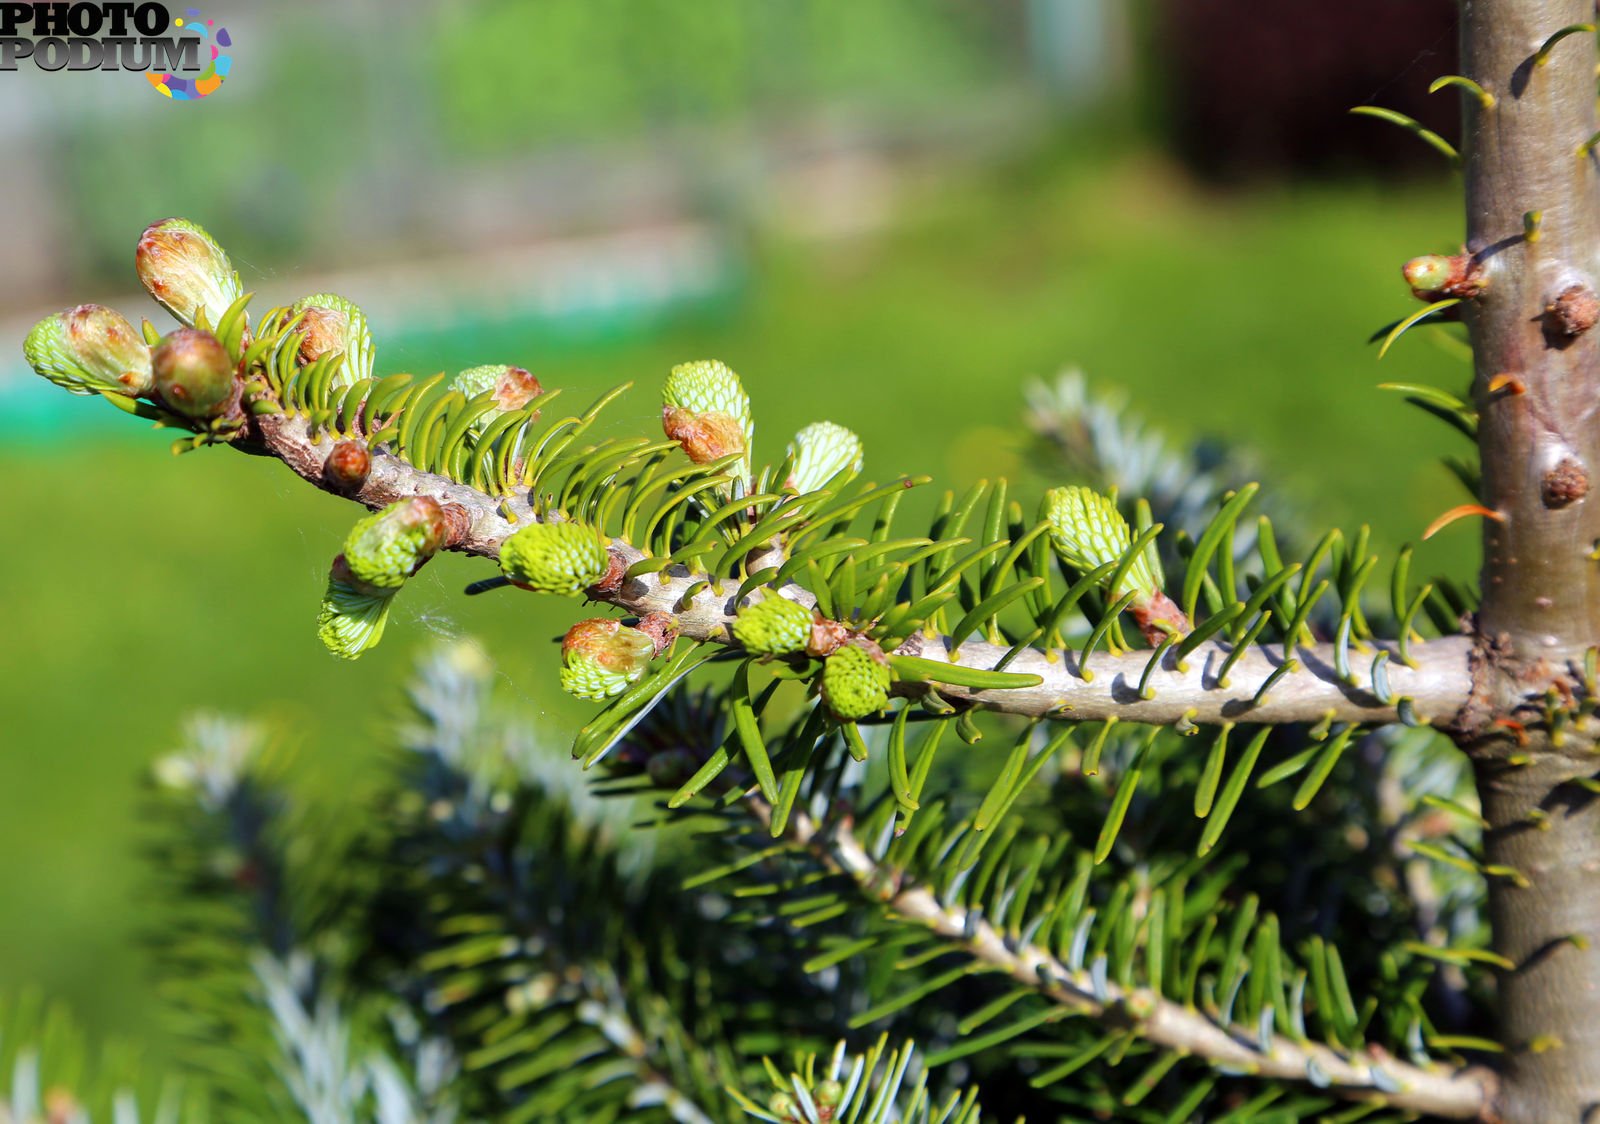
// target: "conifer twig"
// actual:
[[1438, 687], [1463, 1093]]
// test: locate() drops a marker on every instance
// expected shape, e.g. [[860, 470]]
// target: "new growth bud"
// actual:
[[513, 387], [186, 271], [380, 553], [773, 626], [564, 558], [1434, 277], [855, 681], [329, 324], [388, 546], [89, 349], [600, 658], [821, 451], [1088, 532], [194, 374], [705, 409]]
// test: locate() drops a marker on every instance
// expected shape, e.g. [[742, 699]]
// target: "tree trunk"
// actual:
[[1537, 387]]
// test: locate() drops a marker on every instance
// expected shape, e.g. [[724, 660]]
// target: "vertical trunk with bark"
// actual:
[[1538, 393]]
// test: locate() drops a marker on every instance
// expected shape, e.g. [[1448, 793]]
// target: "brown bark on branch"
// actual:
[[1539, 445]]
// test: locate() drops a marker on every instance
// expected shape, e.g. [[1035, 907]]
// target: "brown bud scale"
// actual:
[[1573, 312]]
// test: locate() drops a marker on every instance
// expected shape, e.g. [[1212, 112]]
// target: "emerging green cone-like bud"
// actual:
[[329, 323], [89, 349], [705, 409], [1088, 531], [600, 658], [388, 546], [821, 451], [351, 621], [855, 682], [564, 558], [514, 387], [194, 374], [773, 626], [186, 271]]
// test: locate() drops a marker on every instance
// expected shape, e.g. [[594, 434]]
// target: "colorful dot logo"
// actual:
[[211, 37]]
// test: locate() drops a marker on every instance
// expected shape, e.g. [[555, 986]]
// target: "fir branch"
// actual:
[[1372, 1075], [1439, 686]]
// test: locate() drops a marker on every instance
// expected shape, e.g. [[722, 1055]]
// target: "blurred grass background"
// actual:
[[874, 270]]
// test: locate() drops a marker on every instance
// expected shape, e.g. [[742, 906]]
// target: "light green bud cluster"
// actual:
[[705, 409], [773, 626], [88, 350], [564, 558], [821, 451], [385, 548], [187, 272], [854, 684], [1088, 531]]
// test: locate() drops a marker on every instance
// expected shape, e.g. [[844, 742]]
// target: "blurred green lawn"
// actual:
[[139, 587]]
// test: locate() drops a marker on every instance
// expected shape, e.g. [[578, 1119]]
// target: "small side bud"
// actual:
[[855, 681], [600, 658], [387, 547], [1434, 277], [705, 409], [513, 387], [563, 558], [821, 451], [186, 271], [89, 349], [194, 375], [348, 466], [773, 626], [329, 324], [1574, 311]]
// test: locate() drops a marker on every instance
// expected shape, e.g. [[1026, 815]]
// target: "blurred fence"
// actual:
[[406, 138]]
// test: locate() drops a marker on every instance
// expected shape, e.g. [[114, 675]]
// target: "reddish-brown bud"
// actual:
[[348, 465]]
